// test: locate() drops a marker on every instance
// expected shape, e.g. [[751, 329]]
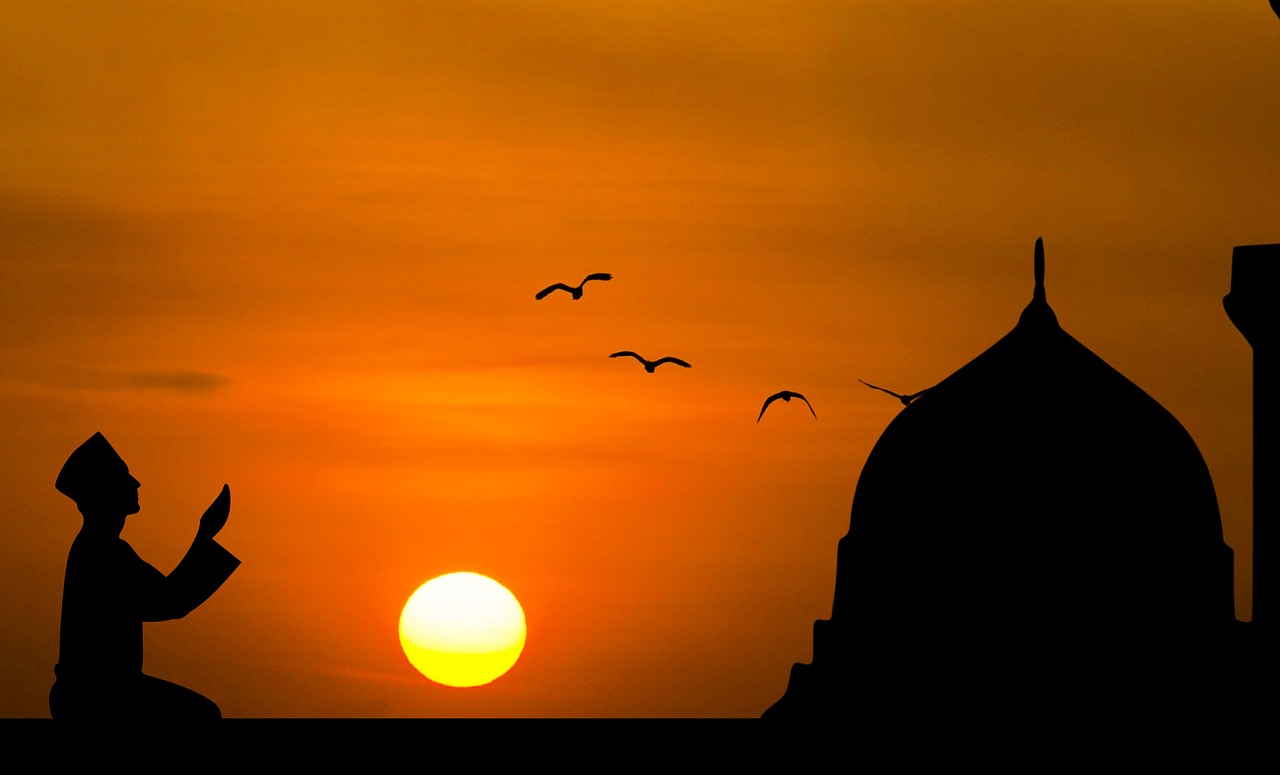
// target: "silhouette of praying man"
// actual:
[[110, 591]]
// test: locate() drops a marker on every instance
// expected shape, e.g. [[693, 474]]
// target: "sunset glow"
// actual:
[[294, 247]]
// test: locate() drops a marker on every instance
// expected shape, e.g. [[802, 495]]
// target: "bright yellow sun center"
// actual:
[[462, 629]]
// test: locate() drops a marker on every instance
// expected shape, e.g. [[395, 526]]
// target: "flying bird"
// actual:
[[649, 366], [575, 292], [786, 395], [906, 400]]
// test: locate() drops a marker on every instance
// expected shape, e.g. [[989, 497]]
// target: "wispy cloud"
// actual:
[[187, 382], [175, 381]]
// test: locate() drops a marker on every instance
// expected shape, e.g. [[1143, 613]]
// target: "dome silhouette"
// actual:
[[1034, 522]]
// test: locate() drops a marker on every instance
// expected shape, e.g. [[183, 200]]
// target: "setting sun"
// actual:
[[462, 629]]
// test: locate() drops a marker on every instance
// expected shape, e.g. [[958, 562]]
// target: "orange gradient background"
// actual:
[[294, 246]]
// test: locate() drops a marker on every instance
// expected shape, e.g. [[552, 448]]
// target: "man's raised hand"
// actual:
[[216, 515]]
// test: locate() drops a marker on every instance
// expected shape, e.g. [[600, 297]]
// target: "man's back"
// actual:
[[102, 593]]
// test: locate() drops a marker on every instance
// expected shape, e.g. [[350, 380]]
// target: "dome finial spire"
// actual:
[[1038, 294], [1038, 311]]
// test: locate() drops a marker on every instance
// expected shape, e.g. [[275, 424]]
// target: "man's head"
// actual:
[[97, 479]]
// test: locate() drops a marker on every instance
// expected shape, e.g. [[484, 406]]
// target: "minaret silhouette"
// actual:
[[1255, 272]]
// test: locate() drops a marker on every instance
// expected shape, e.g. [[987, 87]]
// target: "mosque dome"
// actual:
[[1034, 509]]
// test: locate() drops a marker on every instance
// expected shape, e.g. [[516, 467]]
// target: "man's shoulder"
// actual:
[[97, 549]]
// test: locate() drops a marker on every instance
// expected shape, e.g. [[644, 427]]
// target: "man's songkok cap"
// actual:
[[93, 464]]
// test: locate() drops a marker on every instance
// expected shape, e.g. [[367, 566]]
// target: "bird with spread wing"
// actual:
[[575, 292], [649, 366], [786, 395], [906, 400]]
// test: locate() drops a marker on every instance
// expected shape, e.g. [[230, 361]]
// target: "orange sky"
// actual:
[[295, 248]]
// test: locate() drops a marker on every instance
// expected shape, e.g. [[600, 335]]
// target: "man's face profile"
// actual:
[[122, 493]]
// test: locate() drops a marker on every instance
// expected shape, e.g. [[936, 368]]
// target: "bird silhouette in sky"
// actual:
[[906, 400], [575, 292], [649, 366], [786, 395]]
